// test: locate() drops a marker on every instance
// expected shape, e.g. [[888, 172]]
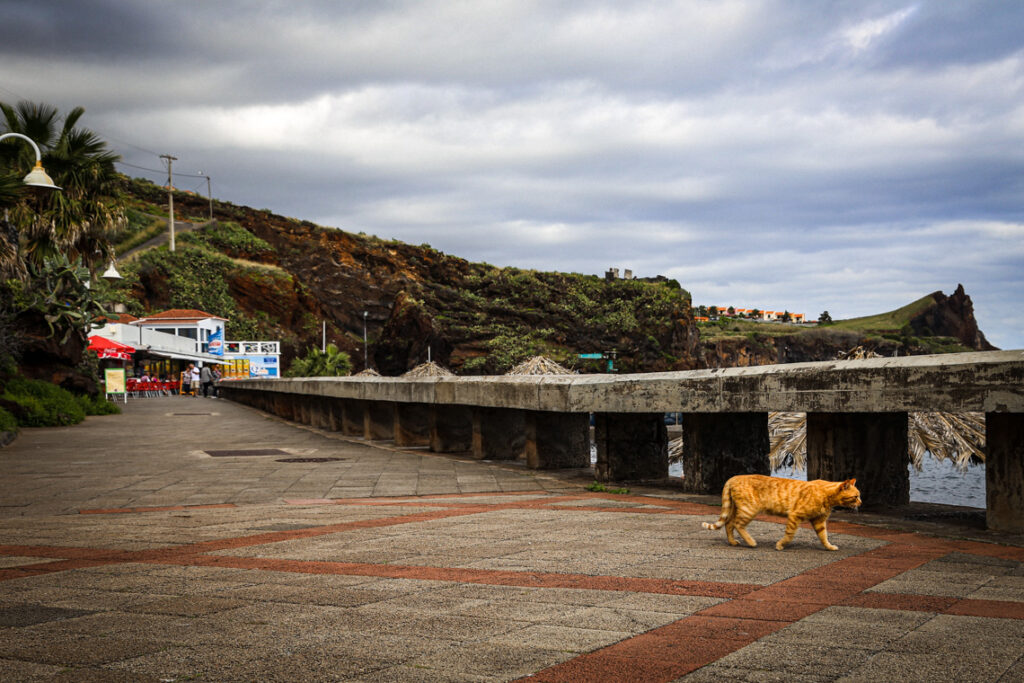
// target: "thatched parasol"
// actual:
[[539, 365], [368, 372], [429, 369]]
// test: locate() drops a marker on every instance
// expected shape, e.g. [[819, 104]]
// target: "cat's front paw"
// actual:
[[780, 546], [831, 547]]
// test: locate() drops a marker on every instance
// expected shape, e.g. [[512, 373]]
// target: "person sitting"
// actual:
[[145, 377]]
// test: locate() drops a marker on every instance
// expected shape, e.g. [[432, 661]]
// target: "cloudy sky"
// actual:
[[810, 156]]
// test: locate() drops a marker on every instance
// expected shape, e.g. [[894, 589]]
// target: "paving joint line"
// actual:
[[748, 613]]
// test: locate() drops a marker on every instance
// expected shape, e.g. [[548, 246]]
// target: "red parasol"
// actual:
[[108, 348]]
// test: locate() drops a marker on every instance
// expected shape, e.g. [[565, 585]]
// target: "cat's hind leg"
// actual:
[[792, 524], [822, 530], [729, 527], [740, 523]]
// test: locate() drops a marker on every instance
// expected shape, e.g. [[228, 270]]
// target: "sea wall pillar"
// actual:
[[871, 447], [353, 420], [630, 446], [379, 421], [499, 433], [1004, 472], [557, 440], [319, 412], [335, 414], [412, 424], [284, 406], [717, 446], [451, 429]]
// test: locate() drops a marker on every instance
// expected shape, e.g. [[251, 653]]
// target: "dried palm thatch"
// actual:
[[857, 353], [539, 365], [788, 435], [368, 372], [429, 369], [675, 449], [957, 437]]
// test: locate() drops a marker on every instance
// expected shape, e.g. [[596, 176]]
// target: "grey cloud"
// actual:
[[849, 156]]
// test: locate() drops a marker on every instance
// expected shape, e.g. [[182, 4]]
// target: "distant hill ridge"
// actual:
[[282, 278]]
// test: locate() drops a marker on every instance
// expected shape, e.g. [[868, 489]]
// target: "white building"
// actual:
[[183, 336]]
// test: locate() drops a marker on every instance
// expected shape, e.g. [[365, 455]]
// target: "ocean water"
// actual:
[[937, 482]]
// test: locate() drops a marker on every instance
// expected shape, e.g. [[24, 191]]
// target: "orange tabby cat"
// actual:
[[747, 495]]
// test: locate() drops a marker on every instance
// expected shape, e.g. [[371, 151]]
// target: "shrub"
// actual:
[[231, 238], [98, 405], [8, 423], [43, 404], [315, 363]]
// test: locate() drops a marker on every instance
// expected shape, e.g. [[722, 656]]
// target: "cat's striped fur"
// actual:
[[747, 495]]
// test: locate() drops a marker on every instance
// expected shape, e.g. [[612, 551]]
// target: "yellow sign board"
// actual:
[[115, 380]]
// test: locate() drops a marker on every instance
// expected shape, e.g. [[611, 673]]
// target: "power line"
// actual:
[[95, 130], [160, 170], [141, 168]]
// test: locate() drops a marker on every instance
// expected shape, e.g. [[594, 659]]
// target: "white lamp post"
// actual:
[[37, 176]]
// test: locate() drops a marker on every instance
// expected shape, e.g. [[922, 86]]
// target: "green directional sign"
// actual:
[[598, 356]]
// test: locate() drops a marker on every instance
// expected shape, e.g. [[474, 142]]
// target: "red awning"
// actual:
[[108, 348]]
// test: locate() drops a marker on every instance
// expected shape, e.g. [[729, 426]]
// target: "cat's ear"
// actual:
[[847, 484]]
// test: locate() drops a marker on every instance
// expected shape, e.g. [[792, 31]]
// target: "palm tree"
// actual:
[[317, 363], [73, 222]]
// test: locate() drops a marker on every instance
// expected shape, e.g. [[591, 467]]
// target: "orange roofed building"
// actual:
[[184, 334]]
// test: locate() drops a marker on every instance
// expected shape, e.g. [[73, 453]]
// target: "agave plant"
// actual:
[[59, 290]]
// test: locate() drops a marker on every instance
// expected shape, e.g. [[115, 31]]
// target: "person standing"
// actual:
[[206, 377], [186, 379], [195, 378]]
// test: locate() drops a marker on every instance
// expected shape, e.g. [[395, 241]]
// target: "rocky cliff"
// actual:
[[417, 301], [942, 325], [476, 319], [951, 316]]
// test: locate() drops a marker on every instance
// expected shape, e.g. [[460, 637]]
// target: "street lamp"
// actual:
[[111, 273], [366, 355], [37, 176]]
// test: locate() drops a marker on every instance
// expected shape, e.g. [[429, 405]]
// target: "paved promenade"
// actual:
[[132, 548]]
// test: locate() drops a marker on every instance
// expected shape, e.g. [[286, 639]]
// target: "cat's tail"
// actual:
[[727, 509]]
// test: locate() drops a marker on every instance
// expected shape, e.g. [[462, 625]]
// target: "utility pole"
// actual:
[[170, 195], [209, 193], [366, 354]]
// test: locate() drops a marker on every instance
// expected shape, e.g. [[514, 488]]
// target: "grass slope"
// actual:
[[893, 321]]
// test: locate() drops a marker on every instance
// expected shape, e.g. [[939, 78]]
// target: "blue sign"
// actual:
[[597, 356], [215, 344], [263, 366]]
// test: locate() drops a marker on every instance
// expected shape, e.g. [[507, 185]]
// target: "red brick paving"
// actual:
[[661, 654]]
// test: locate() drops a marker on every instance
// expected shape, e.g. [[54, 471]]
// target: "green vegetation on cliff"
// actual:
[[893, 321], [283, 278]]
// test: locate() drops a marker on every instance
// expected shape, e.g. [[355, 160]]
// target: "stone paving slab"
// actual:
[[150, 560]]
